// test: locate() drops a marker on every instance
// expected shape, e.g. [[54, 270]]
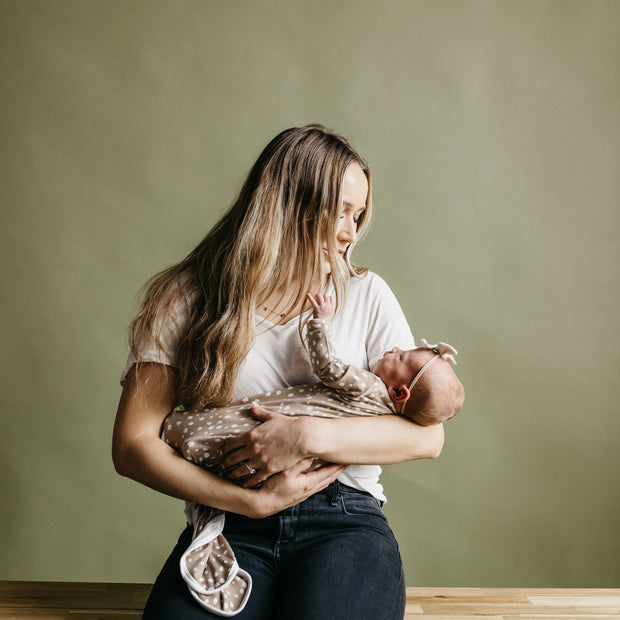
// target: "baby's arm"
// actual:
[[327, 367], [330, 369]]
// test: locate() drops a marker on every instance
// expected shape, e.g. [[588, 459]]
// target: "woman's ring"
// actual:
[[251, 470]]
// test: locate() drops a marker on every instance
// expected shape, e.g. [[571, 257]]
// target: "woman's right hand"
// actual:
[[290, 487]]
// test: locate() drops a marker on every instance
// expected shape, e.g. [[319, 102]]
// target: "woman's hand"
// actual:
[[272, 447], [289, 488]]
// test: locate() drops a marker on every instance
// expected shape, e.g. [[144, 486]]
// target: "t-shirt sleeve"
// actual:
[[387, 325], [163, 347]]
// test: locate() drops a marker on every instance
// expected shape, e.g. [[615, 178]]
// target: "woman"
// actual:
[[225, 322]]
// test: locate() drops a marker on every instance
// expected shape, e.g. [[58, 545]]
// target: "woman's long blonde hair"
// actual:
[[269, 240]]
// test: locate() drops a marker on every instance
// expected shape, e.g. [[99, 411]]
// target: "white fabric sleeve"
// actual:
[[163, 347]]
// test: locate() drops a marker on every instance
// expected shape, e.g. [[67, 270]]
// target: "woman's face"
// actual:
[[354, 198]]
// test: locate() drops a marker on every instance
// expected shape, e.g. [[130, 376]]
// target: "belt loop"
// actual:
[[335, 492]]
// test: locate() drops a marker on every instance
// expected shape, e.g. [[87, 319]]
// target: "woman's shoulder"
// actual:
[[369, 284], [372, 307], [373, 294]]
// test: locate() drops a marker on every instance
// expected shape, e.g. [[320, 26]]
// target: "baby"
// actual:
[[417, 384]]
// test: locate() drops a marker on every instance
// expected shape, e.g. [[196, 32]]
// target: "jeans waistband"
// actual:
[[337, 487], [334, 490]]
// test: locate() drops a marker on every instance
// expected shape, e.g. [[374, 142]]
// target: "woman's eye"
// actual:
[[356, 218]]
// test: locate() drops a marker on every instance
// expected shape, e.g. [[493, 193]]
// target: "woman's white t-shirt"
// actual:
[[369, 323]]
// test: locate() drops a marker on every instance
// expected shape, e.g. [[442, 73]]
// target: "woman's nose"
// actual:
[[347, 230]]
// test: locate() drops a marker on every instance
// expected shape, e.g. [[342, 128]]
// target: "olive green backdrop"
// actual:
[[493, 129]]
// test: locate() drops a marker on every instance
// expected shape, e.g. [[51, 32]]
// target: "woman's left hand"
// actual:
[[271, 447]]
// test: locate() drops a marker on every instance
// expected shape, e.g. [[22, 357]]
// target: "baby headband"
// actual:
[[441, 349]]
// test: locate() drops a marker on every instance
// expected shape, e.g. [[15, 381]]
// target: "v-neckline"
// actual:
[[329, 290], [262, 319]]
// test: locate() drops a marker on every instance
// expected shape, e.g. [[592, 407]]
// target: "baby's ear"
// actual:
[[399, 393]]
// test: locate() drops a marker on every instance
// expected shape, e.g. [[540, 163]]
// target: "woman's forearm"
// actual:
[[139, 453], [162, 469], [153, 463], [281, 441], [380, 440]]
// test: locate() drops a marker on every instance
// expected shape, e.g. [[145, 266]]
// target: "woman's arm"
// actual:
[[139, 453], [377, 440], [282, 440]]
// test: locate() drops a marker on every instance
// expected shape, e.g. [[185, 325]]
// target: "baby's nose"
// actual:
[[396, 350]]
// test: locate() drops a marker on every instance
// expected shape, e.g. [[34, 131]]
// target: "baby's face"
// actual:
[[398, 367]]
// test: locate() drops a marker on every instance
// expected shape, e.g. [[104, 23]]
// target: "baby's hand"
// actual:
[[323, 306]]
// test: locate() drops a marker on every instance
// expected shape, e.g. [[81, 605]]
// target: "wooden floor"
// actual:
[[101, 601]]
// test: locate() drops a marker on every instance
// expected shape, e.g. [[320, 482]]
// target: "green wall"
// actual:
[[493, 131]]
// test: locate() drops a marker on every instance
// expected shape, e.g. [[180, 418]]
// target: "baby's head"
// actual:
[[421, 383]]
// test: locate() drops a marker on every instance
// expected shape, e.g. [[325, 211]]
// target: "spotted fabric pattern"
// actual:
[[210, 569]]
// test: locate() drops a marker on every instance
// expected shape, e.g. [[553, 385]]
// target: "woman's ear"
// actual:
[[399, 393]]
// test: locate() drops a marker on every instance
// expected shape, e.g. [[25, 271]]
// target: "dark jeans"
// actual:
[[332, 557]]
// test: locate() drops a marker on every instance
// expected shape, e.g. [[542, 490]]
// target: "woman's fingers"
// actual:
[[320, 478], [259, 476], [297, 484], [231, 448], [250, 477], [243, 440], [272, 446], [262, 414], [238, 471], [236, 450]]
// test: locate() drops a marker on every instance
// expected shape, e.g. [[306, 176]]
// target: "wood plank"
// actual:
[[120, 601], [446, 617], [512, 603], [576, 600], [50, 595], [21, 613]]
